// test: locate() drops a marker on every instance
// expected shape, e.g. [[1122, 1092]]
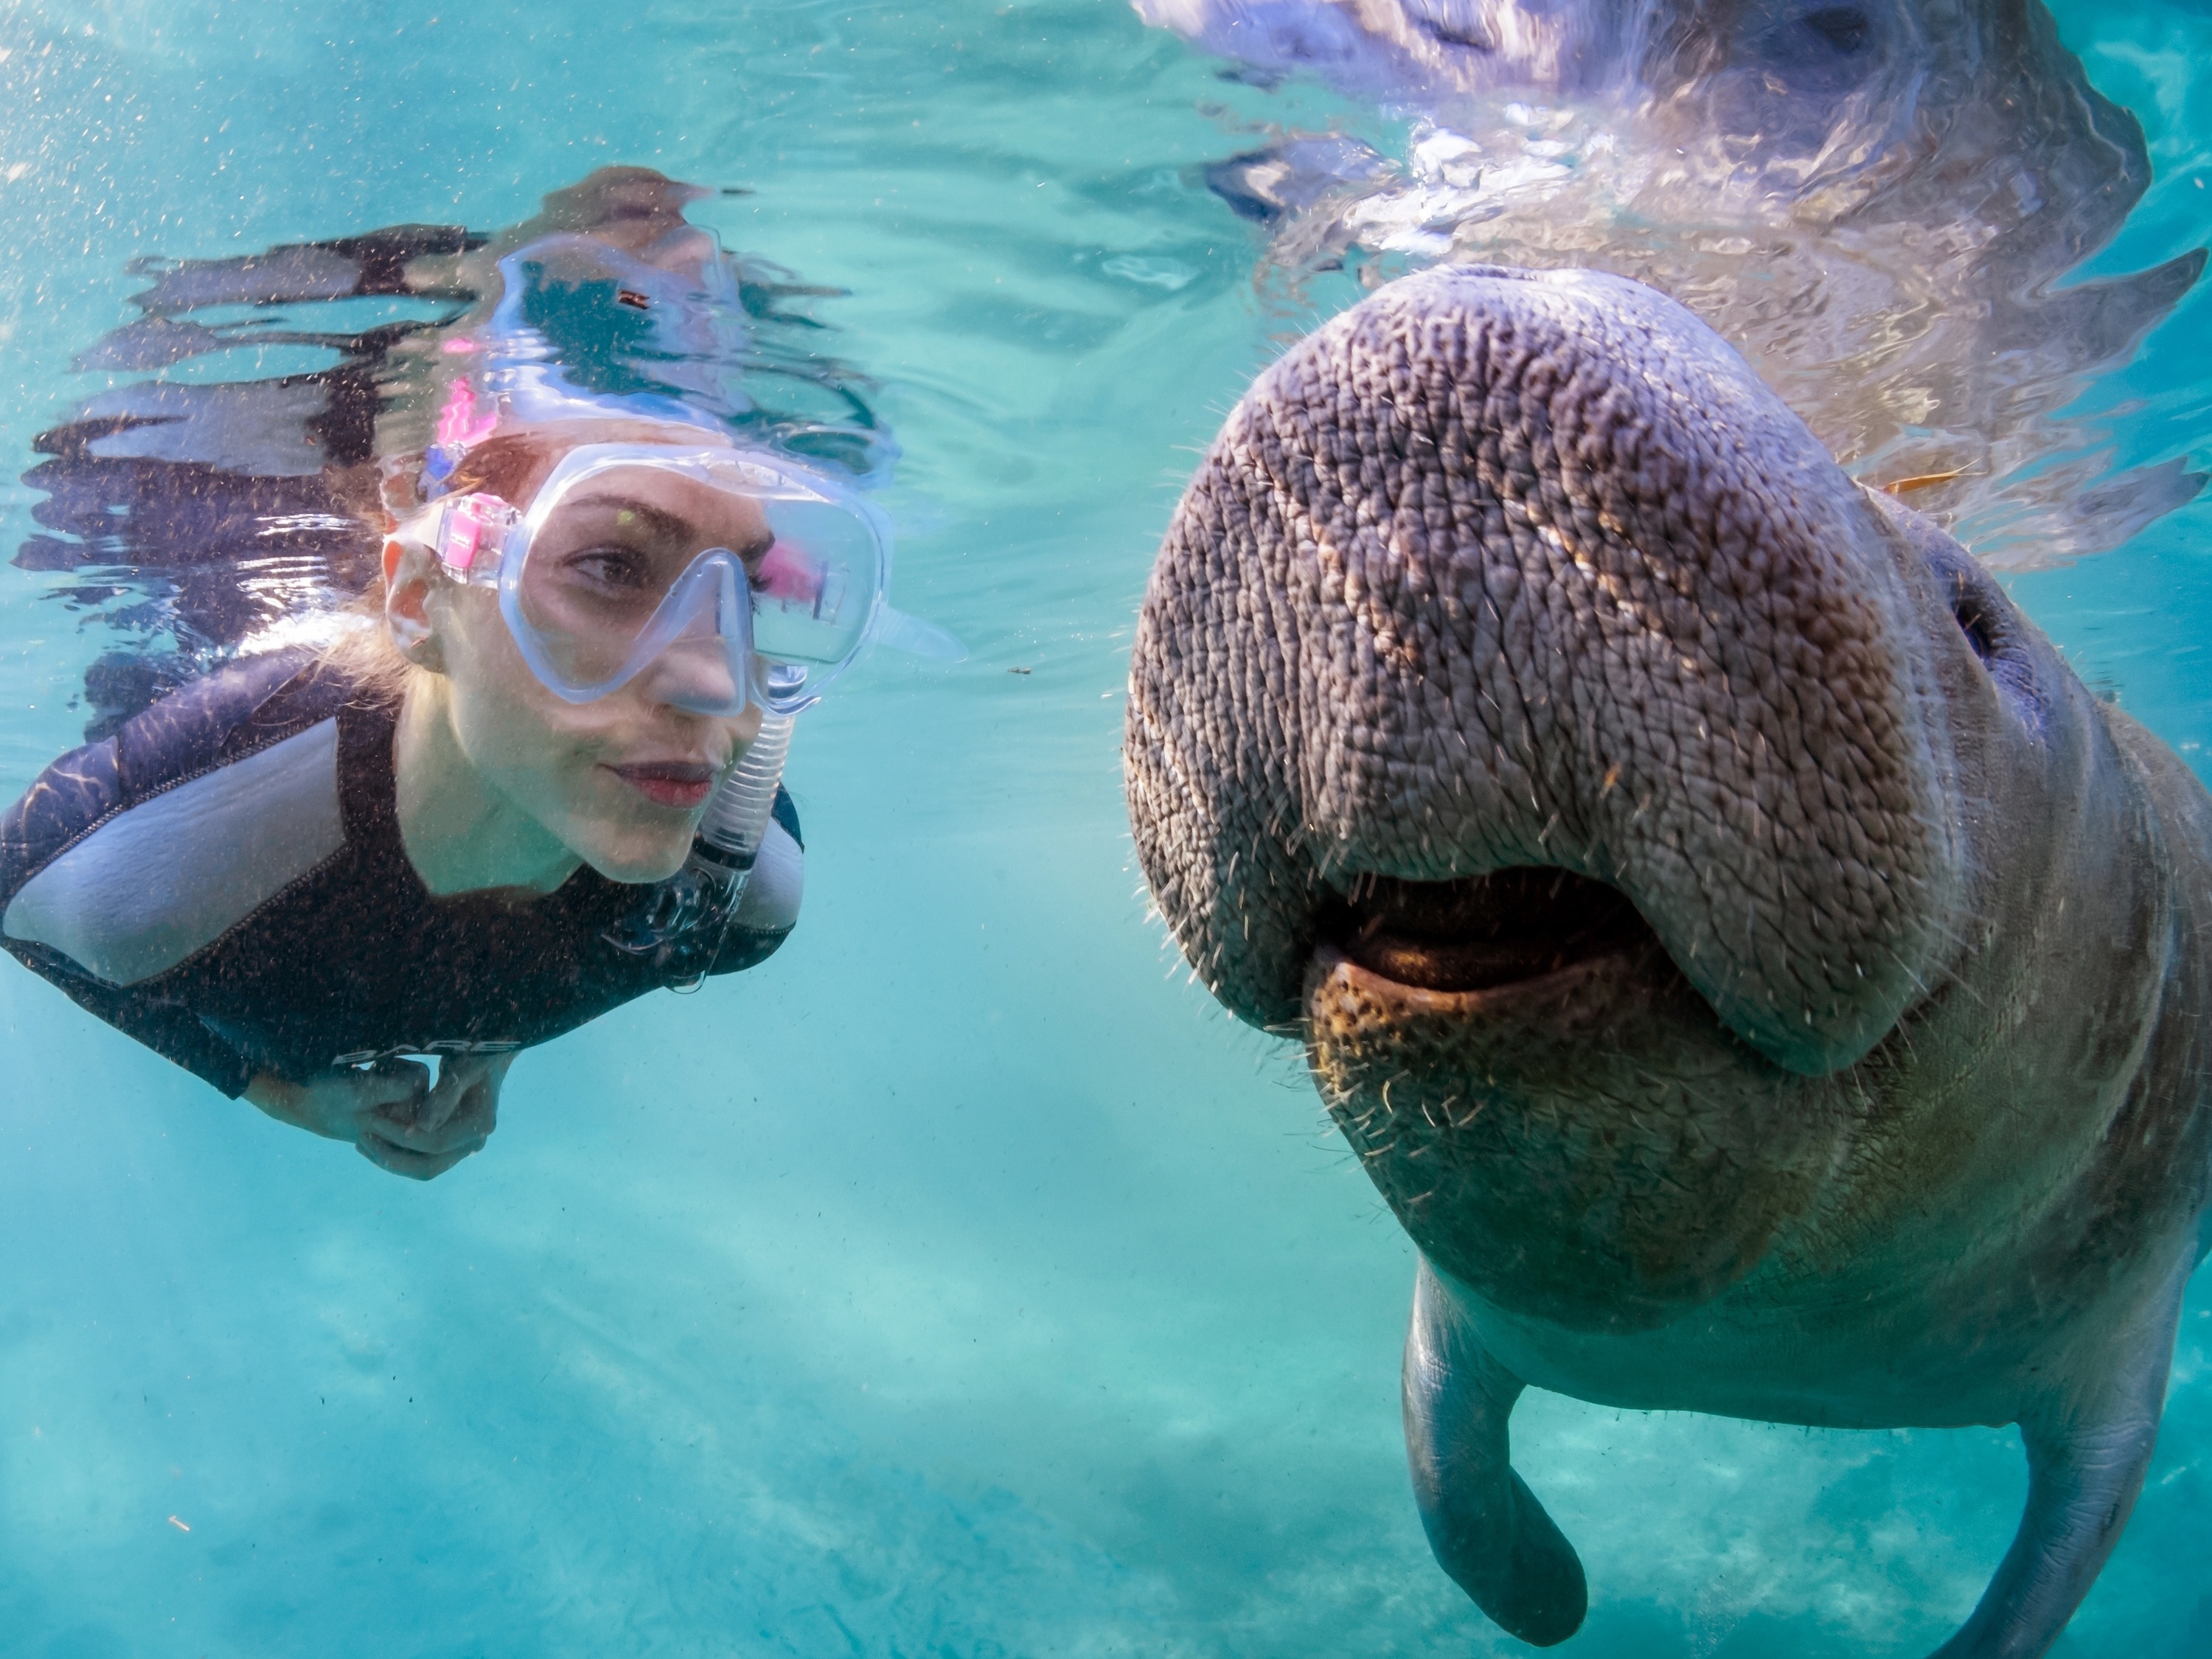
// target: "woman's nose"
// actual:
[[697, 675]]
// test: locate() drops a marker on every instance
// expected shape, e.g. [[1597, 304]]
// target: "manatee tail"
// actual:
[[1487, 1528]]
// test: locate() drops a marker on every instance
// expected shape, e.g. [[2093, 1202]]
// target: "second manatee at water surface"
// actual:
[[1882, 204]]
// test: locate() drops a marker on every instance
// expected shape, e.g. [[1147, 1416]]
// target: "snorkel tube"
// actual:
[[730, 835]]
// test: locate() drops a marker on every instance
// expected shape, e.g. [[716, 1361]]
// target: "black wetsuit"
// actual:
[[223, 879]]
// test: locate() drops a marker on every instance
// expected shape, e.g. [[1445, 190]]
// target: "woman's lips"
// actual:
[[682, 784]]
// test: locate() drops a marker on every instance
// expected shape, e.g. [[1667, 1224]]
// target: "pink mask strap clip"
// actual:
[[469, 524]]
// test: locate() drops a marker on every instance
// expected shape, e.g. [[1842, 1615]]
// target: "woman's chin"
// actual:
[[626, 838], [635, 862]]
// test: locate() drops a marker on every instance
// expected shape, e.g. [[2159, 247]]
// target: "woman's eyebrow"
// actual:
[[675, 525], [659, 519]]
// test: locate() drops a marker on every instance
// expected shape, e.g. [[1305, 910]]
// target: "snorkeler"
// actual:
[[536, 774]]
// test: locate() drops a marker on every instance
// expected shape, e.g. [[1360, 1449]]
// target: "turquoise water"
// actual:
[[962, 1283]]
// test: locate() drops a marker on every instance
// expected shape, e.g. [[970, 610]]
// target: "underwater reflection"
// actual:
[[1876, 201], [221, 504], [491, 637]]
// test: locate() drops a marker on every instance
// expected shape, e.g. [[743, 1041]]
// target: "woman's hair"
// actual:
[[365, 653]]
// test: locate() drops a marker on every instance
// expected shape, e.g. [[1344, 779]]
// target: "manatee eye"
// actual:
[[2001, 643], [1845, 28], [1973, 619]]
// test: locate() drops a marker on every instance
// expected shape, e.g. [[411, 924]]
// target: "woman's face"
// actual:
[[623, 781]]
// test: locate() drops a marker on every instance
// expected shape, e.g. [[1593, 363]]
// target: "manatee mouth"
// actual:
[[1510, 928]]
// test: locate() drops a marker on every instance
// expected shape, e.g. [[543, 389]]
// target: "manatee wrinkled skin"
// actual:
[[1756, 972], [1878, 202]]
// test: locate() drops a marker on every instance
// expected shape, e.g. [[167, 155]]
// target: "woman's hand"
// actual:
[[389, 1112]]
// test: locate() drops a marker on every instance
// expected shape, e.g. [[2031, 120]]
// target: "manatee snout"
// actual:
[[1511, 623]]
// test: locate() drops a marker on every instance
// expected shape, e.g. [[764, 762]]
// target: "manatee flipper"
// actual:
[[2087, 1455], [1487, 1528]]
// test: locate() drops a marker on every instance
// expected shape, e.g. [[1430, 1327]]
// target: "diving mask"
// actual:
[[729, 577]]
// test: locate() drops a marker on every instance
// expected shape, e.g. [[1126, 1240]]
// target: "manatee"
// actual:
[[1876, 201], [1756, 972]]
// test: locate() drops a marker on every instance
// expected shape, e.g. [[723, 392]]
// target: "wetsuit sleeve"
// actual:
[[770, 908], [175, 1034], [75, 795]]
